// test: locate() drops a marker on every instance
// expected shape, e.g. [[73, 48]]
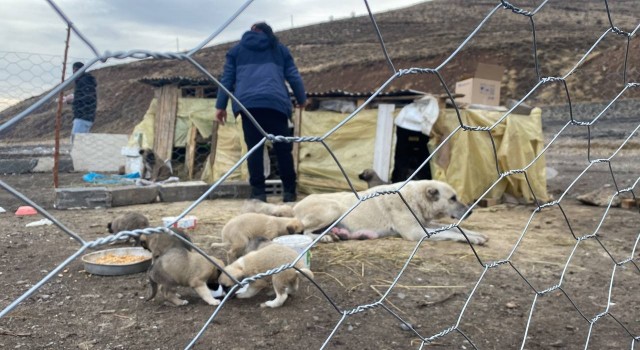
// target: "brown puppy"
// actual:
[[266, 258], [239, 230], [127, 222], [256, 206], [180, 267], [155, 168], [371, 178], [159, 243]]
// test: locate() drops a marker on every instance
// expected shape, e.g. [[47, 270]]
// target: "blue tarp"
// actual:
[[96, 178]]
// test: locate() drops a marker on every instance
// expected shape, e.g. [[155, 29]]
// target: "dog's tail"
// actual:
[[307, 272]]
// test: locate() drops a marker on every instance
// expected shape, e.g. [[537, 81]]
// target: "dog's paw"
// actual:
[[477, 238], [215, 302], [183, 302], [329, 238], [270, 303]]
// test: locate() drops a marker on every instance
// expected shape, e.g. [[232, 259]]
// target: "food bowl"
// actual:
[[118, 261]]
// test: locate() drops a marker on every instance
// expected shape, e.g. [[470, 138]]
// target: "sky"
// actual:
[[33, 34]]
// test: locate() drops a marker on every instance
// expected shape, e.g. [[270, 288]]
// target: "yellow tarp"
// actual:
[[466, 161]]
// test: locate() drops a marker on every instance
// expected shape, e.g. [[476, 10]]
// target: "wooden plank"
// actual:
[[297, 124], [489, 202], [191, 151], [629, 203], [165, 122], [214, 144], [383, 142]]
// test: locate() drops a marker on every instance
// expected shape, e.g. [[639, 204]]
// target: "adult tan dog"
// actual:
[[266, 258], [244, 227], [385, 215], [273, 209], [181, 267]]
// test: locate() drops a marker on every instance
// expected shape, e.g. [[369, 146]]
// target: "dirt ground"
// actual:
[[77, 310]]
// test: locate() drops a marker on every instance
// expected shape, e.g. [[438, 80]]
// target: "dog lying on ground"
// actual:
[[256, 206], [181, 267], [242, 228], [385, 215], [159, 243], [371, 178], [127, 222], [155, 168], [266, 258]]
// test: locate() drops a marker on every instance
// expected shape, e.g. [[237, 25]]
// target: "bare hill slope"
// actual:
[[347, 55]]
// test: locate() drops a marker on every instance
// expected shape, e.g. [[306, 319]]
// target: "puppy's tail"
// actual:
[[219, 245], [307, 272]]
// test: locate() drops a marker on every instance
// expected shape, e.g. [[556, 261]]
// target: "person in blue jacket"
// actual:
[[255, 72]]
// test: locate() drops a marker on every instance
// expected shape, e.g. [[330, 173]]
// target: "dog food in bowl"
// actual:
[[118, 261]]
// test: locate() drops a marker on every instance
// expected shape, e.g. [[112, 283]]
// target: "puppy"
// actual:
[[255, 244], [371, 177], [239, 230], [127, 222], [256, 206], [181, 267], [262, 260], [155, 168], [159, 243]]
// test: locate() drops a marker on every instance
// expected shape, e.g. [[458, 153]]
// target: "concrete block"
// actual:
[[98, 152], [231, 189], [182, 191], [82, 197], [17, 166], [45, 165], [132, 195]]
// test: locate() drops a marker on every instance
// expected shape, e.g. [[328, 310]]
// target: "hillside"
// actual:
[[346, 55]]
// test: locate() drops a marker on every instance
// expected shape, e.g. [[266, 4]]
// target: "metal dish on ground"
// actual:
[[117, 261]]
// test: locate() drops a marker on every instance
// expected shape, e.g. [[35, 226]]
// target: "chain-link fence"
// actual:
[[536, 303]]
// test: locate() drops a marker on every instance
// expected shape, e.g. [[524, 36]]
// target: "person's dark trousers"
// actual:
[[276, 123], [411, 151]]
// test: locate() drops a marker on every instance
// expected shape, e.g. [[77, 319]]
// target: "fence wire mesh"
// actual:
[[488, 266]]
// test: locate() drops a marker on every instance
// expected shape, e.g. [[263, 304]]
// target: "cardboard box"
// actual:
[[484, 87]]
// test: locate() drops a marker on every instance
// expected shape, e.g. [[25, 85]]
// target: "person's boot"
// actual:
[[289, 197], [258, 194]]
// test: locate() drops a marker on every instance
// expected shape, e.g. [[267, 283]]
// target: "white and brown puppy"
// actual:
[[371, 178], [244, 227], [159, 243], [266, 258], [181, 267], [386, 215], [273, 209], [155, 168], [127, 222]]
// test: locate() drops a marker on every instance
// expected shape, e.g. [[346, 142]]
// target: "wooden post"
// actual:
[[56, 152], [214, 144], [384, 138], [165, 122], [297, 124], [191, 151]]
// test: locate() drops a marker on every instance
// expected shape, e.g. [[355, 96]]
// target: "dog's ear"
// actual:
[[433, 194], [109, 228]]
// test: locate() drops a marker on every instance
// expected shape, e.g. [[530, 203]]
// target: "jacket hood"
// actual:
[[255, 41]]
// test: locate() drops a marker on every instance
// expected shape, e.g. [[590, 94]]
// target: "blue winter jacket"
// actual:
[[255, 73]]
